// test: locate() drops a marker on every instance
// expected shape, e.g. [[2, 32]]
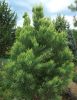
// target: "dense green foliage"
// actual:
[[60, 23], [73, 8], [41, 65], [3, 61], [17, 33], [7, 27], [37, 16]]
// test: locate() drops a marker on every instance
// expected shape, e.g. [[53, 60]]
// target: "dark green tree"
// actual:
[[41, 65], [73, 8], [60, 23], [7, 27]]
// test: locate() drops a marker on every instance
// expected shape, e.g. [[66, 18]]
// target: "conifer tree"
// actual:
[[73, 8], [40, 66], [7, 27], [60, 23]]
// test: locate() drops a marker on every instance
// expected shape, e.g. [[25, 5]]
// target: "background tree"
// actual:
[[41, 63], [7, 27], [73, 8], [60, 23]]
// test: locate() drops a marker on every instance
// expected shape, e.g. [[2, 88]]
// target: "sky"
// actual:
[[51, 8]]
